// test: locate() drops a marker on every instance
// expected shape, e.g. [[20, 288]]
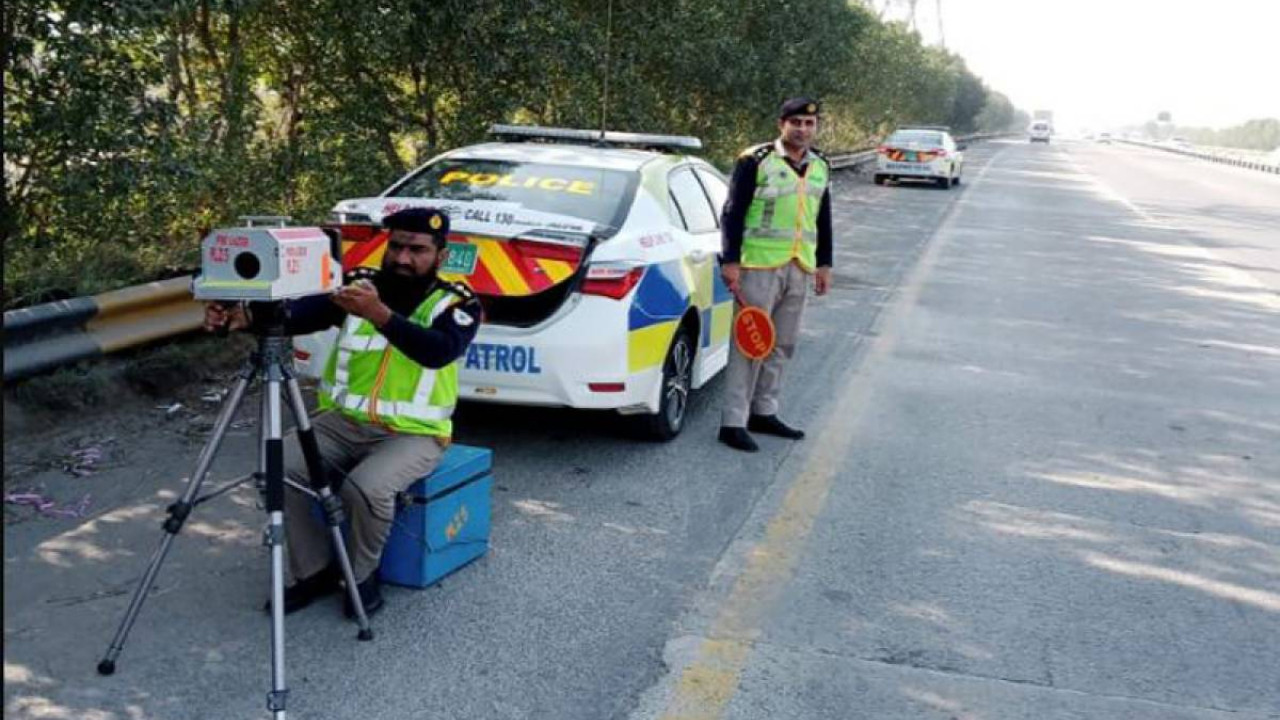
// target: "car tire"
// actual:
[[955, 180], [943, 182], [677, 384], [878, 179]]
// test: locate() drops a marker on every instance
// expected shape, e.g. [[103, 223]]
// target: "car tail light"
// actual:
[[544, 250], [607, 387], [883, 149], [358, 232], [611, 281], [354, 227], [940, 153]]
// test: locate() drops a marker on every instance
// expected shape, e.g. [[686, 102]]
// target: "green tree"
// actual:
[[133, 127]]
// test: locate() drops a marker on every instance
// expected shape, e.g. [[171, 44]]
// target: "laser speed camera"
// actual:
[[267, 263]]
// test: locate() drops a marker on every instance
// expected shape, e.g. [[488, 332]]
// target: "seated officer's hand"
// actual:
[[361, 299], [220, 317]]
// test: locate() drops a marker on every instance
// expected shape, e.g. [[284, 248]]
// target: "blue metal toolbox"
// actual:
[[442, 521]]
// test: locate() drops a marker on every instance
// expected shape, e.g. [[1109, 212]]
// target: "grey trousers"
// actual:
[[751, 386], [378, 464]]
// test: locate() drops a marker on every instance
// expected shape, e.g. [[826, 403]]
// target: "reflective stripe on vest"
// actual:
[[782, 220], [378, 391]]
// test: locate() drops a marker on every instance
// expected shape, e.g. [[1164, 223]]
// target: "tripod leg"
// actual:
[[274, 537], [329, 500], [178, 513]]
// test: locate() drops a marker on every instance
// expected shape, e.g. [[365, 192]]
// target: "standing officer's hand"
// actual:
[[220, 317], [822, 280], [361, 299], [731, 272]]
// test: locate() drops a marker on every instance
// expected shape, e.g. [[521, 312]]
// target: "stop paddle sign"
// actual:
[[753, 332]]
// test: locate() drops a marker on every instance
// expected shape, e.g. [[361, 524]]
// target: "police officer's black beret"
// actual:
[[799, 106], [428, 221]]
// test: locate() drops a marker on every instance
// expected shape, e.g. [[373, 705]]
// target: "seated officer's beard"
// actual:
[[403, 293]]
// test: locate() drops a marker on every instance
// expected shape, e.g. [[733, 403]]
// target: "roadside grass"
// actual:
[[158, 372]]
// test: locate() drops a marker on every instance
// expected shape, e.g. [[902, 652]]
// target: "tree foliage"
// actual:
[[132, 126], [1260, 134]]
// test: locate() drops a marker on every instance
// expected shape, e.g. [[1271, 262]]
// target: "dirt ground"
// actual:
[[77, 443]]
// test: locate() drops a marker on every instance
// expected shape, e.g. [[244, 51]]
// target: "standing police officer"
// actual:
[[776, 233]]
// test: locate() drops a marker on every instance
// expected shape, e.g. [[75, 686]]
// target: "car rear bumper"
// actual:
[[578, 360], [901, 169]]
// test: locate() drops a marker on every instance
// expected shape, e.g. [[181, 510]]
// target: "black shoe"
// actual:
[[738, 439], [771, 425], [308, 590], [370, 596]]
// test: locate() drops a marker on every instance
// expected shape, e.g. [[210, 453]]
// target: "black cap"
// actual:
[[799, 106], [428, 221]]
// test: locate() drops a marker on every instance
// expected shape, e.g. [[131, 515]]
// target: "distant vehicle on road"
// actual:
[[925, 152], [1039, 131], [1104, 138], [1180, 143]]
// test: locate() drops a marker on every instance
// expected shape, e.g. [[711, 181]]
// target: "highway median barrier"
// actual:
[[1223, 157]]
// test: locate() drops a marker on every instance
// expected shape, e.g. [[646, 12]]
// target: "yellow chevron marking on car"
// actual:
[[373, 260], [703, 290], [721, 321], [499, 265], [647, 347], [557, 270]]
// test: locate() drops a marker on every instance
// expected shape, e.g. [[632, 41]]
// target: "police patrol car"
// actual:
[[926, 152], [595, 257]]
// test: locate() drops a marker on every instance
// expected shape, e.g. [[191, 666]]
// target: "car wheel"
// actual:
[[944, 182], [878, 179], [677, 382], [955, 180]]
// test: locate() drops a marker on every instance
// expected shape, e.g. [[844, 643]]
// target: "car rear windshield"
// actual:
[[919, 137], [593, 194]]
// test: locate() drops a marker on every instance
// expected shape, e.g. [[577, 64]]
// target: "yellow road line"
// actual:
[[708, 683]]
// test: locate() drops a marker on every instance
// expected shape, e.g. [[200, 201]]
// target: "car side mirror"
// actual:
[[962, 146]]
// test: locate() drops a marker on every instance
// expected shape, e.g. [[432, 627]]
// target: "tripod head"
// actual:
[[268, 317]]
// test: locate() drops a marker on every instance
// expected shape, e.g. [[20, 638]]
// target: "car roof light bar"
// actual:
[[595, 137]]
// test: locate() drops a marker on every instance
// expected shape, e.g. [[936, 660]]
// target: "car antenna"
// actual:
[[604, 103]]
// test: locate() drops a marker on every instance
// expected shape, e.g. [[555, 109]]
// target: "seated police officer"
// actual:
[[387, 393]]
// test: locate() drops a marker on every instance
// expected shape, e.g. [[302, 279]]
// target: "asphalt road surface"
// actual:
[[1042, 480]]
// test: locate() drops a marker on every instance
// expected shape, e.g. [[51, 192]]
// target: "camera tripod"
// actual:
[[271, 362]]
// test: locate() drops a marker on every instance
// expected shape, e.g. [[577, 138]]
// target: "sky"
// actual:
[[1100, 64]]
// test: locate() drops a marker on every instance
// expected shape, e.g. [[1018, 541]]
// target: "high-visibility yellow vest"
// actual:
[[782, 220], [369, 380]]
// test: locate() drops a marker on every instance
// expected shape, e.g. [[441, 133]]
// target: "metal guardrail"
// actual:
[[46, 336], [1201, 155]]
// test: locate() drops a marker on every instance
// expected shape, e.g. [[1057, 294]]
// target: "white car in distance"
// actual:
[[920, 153]]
